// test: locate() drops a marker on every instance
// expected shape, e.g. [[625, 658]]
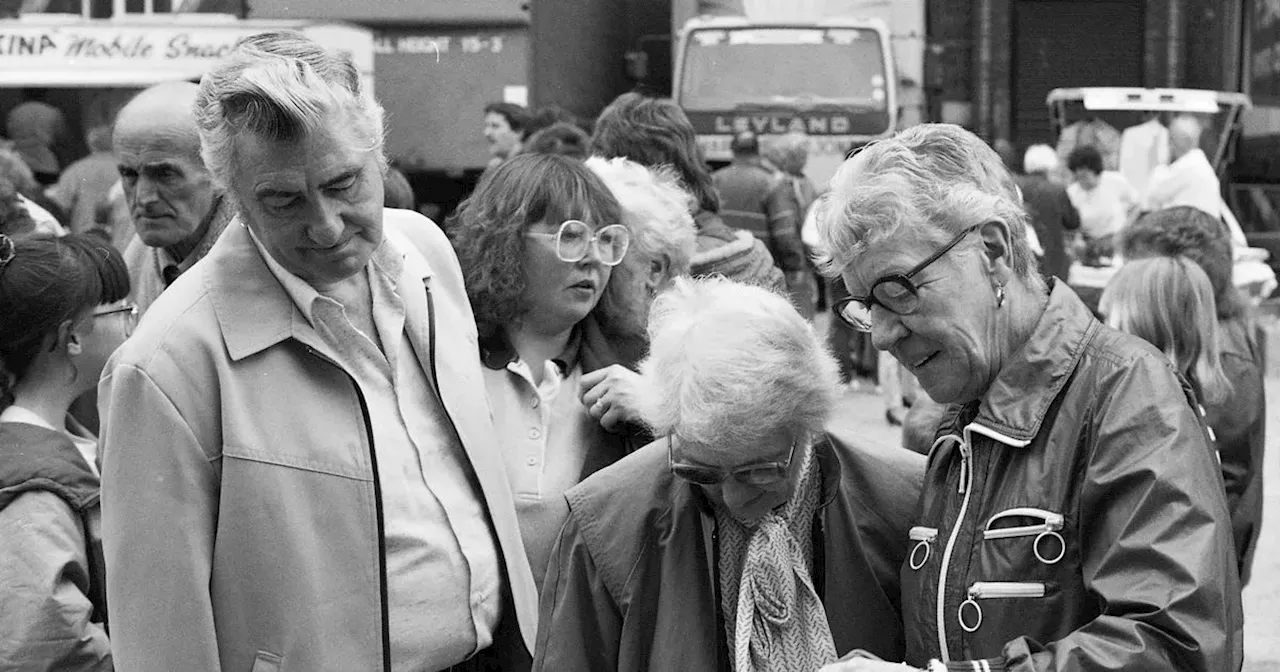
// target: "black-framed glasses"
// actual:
[[896, 293], [129, 310], [763, 473], [575, 239]]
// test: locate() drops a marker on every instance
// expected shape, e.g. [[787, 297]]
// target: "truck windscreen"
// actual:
[[728, 68]]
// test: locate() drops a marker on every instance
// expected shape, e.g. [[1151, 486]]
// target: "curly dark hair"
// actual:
[[655, 132], [1087, 157], [488, 228], [1195, 234]]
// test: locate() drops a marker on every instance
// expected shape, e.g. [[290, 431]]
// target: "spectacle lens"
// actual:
[[574, 241]]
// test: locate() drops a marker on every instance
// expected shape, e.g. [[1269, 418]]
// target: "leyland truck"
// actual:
[[835, 70]]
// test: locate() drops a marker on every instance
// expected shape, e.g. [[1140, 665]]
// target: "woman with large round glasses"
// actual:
[[62, 314], [538, 241], [746, 537], [1072, 515]]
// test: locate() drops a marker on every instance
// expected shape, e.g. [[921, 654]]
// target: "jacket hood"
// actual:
[[37, 458]]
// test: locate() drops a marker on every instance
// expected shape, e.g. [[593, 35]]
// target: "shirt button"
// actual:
[[535, 402], [534, 433], [532, 461]]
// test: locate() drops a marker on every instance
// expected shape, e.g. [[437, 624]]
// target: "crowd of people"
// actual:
[[587, 421]]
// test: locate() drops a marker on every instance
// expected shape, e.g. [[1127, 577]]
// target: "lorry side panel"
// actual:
[[578, 52]]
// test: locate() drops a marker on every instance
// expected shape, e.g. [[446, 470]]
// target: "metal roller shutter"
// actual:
[[1060, 43]]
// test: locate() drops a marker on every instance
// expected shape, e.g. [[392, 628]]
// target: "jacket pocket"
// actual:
[[1049, 546], [924, 538], [266, 662], [970, 612]]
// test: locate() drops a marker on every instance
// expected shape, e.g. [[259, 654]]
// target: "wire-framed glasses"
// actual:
[[131, 316], [763, 473]]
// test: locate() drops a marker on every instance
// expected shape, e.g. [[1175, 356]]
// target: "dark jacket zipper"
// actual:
[[377, 501]]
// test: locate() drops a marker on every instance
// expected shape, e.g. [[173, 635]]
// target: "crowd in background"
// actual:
[[257, 412]]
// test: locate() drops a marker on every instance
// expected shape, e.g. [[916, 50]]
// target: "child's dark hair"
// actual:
[[45, 282]]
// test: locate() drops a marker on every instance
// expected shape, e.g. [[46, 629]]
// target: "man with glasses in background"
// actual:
[[746, 537]]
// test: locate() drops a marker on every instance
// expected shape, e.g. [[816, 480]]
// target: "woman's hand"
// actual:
[[609, 395]]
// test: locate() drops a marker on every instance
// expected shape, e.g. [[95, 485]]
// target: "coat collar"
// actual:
[[253, 309], [1016, 404]]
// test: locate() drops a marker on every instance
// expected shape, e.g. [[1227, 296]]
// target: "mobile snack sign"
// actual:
[[50, 51]]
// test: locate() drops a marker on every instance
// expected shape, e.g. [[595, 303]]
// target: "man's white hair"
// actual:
[[656, 210], [729, 363], [279, 86], [1039, 159]]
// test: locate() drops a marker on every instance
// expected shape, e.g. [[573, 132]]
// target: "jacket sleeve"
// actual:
[[1156, 548], [159, 509], [579, 626], [784, 226], [45, 624]]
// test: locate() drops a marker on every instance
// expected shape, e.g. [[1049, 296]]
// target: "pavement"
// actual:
[[862, 413]]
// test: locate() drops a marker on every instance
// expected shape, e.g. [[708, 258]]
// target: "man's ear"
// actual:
[[997, 246]]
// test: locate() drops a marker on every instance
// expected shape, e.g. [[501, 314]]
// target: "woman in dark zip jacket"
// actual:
[[63, 315], [1072, 516]]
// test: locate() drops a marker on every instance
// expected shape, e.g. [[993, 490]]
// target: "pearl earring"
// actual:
[[999, 295]]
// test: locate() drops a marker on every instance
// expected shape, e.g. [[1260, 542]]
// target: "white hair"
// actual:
[[1039, 159], [279, 86], [729, 363], [656, 210], [936, 178]]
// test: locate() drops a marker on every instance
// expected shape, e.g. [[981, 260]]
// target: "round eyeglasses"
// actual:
[[896, 293], [575, 240], [130, 311]]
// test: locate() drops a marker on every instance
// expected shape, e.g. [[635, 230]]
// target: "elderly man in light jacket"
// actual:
[[300, 469]]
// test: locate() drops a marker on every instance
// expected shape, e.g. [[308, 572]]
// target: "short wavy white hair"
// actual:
[[656, 208], [280, 86], [1039, 159], [729, 363], [938, 178]]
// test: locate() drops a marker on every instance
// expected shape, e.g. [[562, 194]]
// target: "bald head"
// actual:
[[164, 111], [157, 147], [1184, 136]]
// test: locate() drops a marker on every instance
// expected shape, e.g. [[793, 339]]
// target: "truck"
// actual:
[[843, 72]]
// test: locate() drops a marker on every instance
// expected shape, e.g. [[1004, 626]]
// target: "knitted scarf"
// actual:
[[774, 620]]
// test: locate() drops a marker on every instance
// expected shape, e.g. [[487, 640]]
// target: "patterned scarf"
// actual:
[[774, 620]]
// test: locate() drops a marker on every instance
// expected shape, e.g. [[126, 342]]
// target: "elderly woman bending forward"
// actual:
[[1072, 516], [746, 537]]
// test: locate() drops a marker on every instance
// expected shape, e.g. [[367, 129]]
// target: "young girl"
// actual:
[[62, 316], [1168, 301]]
